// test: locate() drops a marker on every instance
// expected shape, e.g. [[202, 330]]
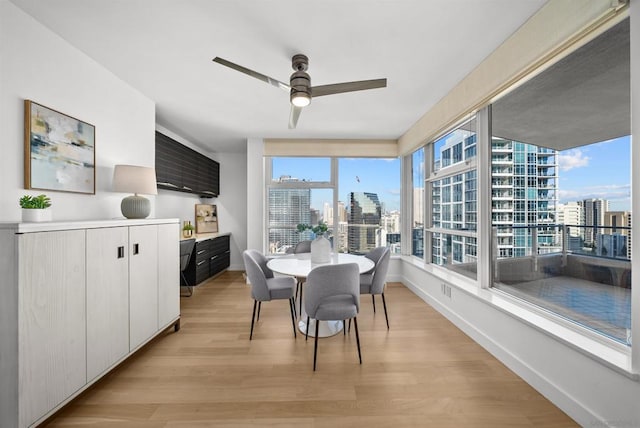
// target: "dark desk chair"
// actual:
[[186, 248]]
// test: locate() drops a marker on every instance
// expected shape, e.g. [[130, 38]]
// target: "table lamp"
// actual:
[[135, 179]]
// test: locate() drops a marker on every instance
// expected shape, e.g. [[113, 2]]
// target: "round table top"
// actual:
[[299, 265]]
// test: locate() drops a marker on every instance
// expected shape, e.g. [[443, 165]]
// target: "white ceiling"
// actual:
[[164, 49]]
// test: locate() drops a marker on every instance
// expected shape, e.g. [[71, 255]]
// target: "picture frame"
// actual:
[[206, 218], [59, 151]]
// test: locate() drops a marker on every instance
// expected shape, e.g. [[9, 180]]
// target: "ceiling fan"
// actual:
[[299, 87]]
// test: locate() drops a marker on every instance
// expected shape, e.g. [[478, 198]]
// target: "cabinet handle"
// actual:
[[136, 249], [200, 252], [164, 183], [187, 188], [121, 252], [214, 257], [199, 263]]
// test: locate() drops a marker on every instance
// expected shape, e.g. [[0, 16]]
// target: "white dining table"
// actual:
[[299, 266]]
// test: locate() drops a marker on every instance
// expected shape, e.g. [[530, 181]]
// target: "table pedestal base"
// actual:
[[325, 329]]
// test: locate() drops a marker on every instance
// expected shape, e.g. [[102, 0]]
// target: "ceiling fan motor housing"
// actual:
[[300, 81]]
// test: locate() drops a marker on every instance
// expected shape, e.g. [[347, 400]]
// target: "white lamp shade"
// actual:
[[135, 179]]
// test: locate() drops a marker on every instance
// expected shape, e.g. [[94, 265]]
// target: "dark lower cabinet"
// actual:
[[209, 258]]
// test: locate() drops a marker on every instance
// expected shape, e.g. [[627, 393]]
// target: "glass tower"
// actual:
[[365, 213]]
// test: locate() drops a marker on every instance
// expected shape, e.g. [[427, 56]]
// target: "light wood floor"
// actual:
[[423, 372]]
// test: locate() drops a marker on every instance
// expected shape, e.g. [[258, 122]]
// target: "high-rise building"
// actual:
[[570, 215], [364, 221], [287, 206], [619, 223], [523, 194], [593, 214]]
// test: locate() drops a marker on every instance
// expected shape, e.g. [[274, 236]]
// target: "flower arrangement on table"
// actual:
[[319, 229]]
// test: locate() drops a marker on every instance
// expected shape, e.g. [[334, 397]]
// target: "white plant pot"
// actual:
[[30, 215]]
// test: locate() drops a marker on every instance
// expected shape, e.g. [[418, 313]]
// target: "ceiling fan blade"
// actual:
[[259, 76], [338, 88], [294, 116]]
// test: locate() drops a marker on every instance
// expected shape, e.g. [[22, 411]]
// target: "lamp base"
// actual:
[[135, 207]]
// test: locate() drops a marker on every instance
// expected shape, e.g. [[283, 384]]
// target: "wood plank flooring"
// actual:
[[423, 372]]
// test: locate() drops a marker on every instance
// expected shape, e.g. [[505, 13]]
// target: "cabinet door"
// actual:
[[52, 323], [169, 274], [107, 298], [143, 283]]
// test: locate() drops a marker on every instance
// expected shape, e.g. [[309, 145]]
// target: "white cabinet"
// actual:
[[77, 299], [107, 298], [52, 339], [143, 284], [168, 270]]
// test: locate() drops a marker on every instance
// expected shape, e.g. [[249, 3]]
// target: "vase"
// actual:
[[320, 250], [32, 215]]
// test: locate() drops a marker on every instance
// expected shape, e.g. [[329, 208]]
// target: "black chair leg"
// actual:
[[355, 324], [300, 298], [253, 316], [292, 308], [306, 335], [344, 329], [373, 299], [259, 306], [349, 324], [385, 310], [315, 347]]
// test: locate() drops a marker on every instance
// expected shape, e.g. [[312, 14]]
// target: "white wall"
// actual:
[[38, 65]]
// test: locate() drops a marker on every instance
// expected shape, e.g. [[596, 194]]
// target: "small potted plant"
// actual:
[[320, 247], [187, 229], [35, 208]]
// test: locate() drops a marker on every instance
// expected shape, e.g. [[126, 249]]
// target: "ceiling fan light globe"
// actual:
[[300, 99]]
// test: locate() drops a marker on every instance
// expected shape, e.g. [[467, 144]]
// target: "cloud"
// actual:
[[611, 192], [572, 159]]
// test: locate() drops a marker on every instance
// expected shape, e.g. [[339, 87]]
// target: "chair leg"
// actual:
[[315, 347], [300, 298], [292, 306], [344, 329], [355, 324], [259, 306], [349, 324], [373, 299], [385, 310], [253, 316], [306, 335]]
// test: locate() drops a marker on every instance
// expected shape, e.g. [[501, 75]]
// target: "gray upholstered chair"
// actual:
[[374, 281], [265, 287], [301, 247], [333, 294]]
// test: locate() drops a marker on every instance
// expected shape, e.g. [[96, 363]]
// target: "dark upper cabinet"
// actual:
[[184, 170]]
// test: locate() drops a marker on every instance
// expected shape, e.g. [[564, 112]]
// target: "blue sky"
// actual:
[[601, 170]]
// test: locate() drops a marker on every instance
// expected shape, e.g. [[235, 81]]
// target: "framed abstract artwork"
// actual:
[[59, 151], [206, 218]]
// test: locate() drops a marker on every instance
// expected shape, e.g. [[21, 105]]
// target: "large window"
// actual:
[[358, 198], [417, 214], [452, 184], [560, 186]]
